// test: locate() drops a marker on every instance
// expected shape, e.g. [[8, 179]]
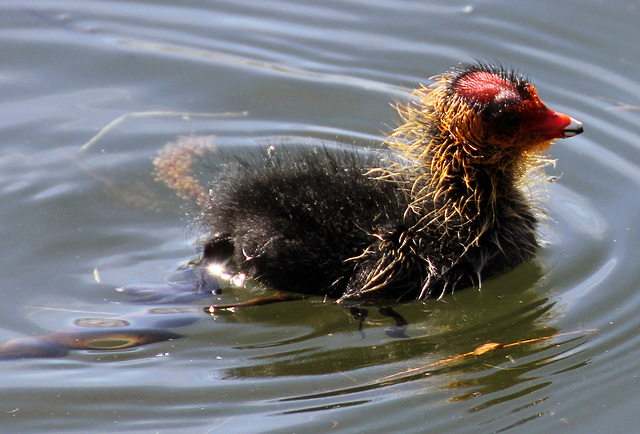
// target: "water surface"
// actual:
[[78, 225]]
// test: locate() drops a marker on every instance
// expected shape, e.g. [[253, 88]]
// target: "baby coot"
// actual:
[[446, 207]]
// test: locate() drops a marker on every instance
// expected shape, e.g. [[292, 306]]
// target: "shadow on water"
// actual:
[[445, 340]]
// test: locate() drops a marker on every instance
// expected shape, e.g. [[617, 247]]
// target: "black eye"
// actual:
[[508, 120]]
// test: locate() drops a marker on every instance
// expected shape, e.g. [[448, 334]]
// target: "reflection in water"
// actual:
[[145, 327], [480, 344], [446, 329], [59, 344], [132, 330], [445, 348]]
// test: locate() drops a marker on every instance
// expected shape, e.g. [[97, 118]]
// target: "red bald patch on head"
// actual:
[[483, 87]]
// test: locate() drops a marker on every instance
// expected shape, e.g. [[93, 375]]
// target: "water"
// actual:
[[77, 225]]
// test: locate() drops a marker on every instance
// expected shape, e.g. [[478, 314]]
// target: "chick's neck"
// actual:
[[456, 180]]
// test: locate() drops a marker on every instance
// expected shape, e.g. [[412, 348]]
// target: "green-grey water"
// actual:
[[77, 225]]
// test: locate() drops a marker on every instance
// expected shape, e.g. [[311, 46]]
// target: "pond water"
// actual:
[[78, 225]]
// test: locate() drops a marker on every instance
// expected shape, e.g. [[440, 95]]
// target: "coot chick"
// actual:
[[445, 208]]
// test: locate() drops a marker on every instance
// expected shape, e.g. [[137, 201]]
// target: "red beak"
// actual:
[[557, 125]]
